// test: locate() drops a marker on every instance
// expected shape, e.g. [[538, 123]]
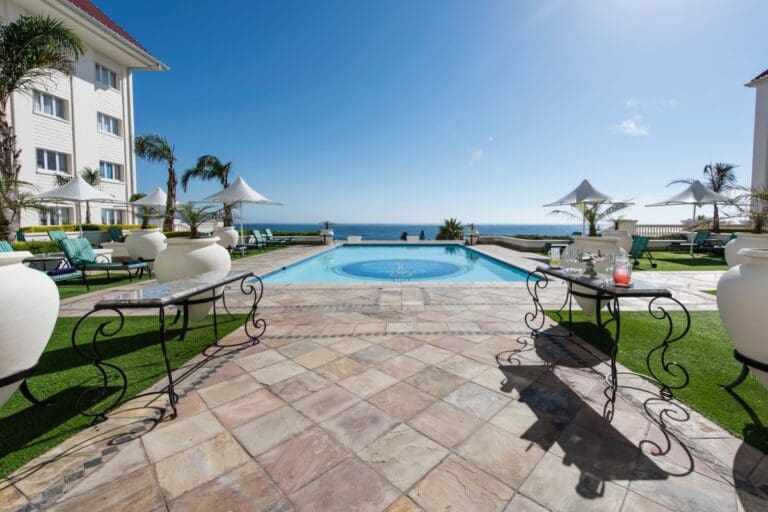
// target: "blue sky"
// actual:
[[415, 111]]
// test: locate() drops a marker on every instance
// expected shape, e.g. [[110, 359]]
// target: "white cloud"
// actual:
[[476, 156], [672, 103], [635, 126], [633, 102], [490, 139]]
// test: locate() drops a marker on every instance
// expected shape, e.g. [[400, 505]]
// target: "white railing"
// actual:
[[654, 230]]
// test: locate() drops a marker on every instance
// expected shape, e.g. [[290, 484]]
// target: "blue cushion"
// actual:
[[62, 271]]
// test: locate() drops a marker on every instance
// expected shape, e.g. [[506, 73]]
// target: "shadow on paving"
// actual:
[[588, 441]]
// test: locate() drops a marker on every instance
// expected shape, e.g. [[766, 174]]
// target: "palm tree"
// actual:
[[91, 176], [195, 216], [31, 49], [155, 148], [591, 213], [450, 230], [718, 178], [210, 168], [144, 212]]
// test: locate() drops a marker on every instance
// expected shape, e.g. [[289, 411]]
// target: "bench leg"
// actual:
[[173, 398]]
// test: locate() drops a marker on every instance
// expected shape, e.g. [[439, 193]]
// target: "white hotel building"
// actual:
[[85, 120]]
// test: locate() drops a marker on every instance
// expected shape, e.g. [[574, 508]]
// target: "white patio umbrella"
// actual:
[[237, 193], [155, 199], [585, 193], [77, 190], [695, 194]]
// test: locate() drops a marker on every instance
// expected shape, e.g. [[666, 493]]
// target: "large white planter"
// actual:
[[187, 257], [624, 238], [145, 243], [29, 306], [592, 244], [327, 235], [228, 236], [743, 241], [742, 294]]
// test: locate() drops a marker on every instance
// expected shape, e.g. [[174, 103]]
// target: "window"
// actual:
[[112, 217], [111, 171], [108, 124], [55, 216], [53, 161], [106, 76], [47, 104]]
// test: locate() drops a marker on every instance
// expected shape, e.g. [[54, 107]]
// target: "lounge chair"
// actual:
[[640, 249], [80, 256], [698, 242], [116, 234], [20, 237], [60, 275], [5, 246], [271, 238], [264, 239], [561, 246], [718, 247], [56, 234]]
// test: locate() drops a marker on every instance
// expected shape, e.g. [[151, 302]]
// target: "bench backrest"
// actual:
[[57, 234], [257, 235], [639, 245], [269, 234], [20, 236], [77, 250], [116, 234], [700, 238], [5, 246]]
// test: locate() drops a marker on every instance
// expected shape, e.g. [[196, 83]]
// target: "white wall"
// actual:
[[78, 135], [760, 151]]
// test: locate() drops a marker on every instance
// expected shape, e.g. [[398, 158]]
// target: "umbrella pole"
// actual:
[[242, 233], [79, 218], [693, 223]]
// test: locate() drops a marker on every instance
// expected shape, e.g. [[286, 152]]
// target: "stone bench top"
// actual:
[[172, 292]]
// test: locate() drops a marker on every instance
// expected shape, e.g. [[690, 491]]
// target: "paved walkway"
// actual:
[[399, 398]]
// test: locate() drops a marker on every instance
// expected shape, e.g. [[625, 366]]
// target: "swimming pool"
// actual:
[[397, 263]]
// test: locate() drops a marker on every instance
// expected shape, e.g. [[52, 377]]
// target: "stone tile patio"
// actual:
[[398, 397]]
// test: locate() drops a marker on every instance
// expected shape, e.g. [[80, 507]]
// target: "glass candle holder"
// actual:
[[622, 271]]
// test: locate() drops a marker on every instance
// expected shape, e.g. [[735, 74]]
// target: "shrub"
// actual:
[[296, 233], [42, 247], [177, 234], [76, 227]]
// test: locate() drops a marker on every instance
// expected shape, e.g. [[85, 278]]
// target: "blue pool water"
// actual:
[[397, 263]]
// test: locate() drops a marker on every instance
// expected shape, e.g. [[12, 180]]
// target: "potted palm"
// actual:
[[194, 255], [753, 203], [327, 232], [146, 242], [450, 230], [473, 234], [624, 237], [592, 214]]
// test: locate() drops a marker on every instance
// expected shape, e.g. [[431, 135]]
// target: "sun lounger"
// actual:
[[80, 256]]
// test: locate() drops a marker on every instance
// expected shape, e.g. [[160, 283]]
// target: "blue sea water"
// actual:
[[393, 231], [397, 263]]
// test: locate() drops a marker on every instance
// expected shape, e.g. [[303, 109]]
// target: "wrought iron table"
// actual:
[[611, 295], [180, 294]]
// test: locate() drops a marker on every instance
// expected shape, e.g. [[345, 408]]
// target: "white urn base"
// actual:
[[743, 241]]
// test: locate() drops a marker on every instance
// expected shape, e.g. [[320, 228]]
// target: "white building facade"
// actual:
[[69, 123], [760, 148]]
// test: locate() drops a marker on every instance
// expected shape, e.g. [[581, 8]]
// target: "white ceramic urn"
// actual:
[[592, 244], [743, 241], [145, 243], [624, 238], [228, 236], [742, 295], [189, 257], [29, 306]]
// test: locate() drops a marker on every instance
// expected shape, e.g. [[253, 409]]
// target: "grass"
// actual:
[[261, 250], [75, 287], [678, 261], [28, 431], [707, 354]]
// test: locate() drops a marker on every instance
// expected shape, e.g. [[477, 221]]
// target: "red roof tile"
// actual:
[[97, 14]]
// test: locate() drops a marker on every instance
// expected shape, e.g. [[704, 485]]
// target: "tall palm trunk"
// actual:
[[228, 221], [715, 220], [10, 168], [170, 204], [87, 212]]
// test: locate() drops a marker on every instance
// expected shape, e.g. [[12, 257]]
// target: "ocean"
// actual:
[[393, 231]]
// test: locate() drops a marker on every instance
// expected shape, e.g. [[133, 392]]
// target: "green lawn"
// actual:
[[99, 281], [667, 260], [707, 355], [28, 431]]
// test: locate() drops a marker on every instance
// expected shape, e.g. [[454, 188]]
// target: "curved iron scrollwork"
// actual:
[[535, 321], [91, 397], [674, 374], [255, 327]]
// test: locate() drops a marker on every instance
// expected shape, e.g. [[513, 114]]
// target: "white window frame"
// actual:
[[116, 169], [112, 216], [105, 123], [111, 76], [55, 215], [38, 105], [57, 158]]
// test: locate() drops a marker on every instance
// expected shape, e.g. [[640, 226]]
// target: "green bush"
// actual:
[[37, 247], [76, 227], [177, 234], [296, 233]]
